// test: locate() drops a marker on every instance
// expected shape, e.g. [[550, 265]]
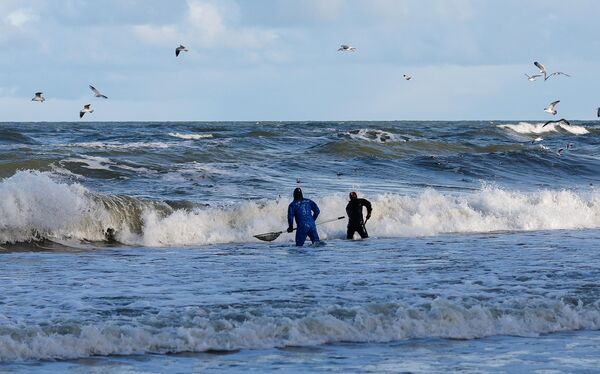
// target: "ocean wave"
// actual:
[[118, 145], [190, 136], [539, 128], [374, 135], [196, 329], [34, 204]]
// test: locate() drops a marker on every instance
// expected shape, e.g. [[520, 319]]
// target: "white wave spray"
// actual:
[[32, 202]]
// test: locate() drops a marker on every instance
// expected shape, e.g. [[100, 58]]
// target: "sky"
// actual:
[[278, 59]]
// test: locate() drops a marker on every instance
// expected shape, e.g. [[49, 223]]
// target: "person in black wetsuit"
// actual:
[[355, 218]]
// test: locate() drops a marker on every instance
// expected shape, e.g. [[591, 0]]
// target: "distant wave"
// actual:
[[539, 128], [32, 203], [196, 329], [118, 145], [190, 136], [374, 135]]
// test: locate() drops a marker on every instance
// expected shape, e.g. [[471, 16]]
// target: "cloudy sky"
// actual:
[[278, 59]]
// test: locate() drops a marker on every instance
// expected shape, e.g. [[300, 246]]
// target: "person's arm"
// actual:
[[290, 218], [367, 204], [315, 209]]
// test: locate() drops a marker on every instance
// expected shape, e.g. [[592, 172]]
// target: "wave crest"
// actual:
[[539, 128], [33, 204]]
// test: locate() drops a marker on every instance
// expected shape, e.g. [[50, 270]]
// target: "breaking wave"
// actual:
[[196, 329], [33, 204], [539, 128], [374, 135], [190, 136]]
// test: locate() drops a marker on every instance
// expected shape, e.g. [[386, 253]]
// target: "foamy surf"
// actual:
[[190, 136], [539, 128], [195, 329], [32, 203]]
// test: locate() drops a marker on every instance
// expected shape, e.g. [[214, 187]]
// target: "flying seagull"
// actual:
[[562, 120], [86, 109], [531, 78], [552, 107], [545, 72], [97, 93], [407, 77], [40, 98], [180, 49], [346, 48]]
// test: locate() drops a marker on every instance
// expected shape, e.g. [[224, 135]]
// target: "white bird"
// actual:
[[180, 49], [552, 107], [531, 78], [545, 72], [407, 77], [97, 93], [346, 48], [86, 109], [39, 97]]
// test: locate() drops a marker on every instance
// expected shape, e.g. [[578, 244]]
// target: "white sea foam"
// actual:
[[190, 136], [118, 145], [374, 135], [195, 329], [539, 128], [33, 202]]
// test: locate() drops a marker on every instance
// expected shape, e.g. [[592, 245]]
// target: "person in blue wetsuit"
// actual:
[[306, 212]]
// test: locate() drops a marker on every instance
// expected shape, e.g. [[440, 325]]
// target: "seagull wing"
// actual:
[[540, 66], [95, 90], [87, 106], [103, 96], [598, 113], [559, 73], [39, 94], [177, 51], [81, 113], [553, 104]]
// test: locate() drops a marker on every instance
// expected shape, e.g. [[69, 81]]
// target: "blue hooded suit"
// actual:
[[305, 211]]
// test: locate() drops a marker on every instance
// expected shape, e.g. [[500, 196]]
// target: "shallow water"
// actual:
[[473, 267]]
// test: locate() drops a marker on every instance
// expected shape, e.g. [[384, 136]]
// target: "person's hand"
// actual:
[[290, 229]]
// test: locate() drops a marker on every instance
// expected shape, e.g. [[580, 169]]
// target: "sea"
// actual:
[[483, 255]]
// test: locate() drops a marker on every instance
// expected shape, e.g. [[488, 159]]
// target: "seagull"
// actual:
[[546, 75], [562, 120], [86, 109], [407, 77], [551, 108], [97, 93], [180, 49], [560, 151], [346, 48], [598, 112], [40, 98], [531, 78]]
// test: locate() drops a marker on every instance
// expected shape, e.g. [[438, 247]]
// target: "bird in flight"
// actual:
[[86, 109], [38, 97], [545, 72], [346, 48], [180, 49], [97, 93], [552, 107], [562, 120], [407, 77], [531, 78]]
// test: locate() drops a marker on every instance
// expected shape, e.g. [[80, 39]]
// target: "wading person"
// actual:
[[305, 211], [354, 210]]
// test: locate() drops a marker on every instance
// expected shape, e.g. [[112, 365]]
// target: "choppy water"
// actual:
[[482, 241]]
